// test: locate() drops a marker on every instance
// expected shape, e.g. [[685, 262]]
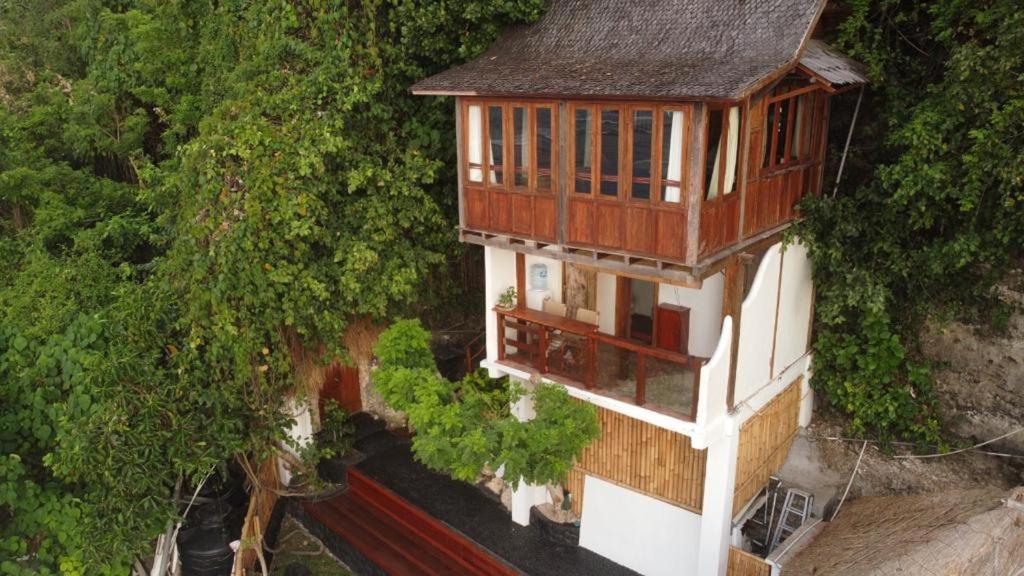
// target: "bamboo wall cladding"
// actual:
[[764, 443], [644, 458], [745, 564]]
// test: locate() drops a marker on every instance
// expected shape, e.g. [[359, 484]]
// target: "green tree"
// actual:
[[188, 190], [463, 427], [932, 211]]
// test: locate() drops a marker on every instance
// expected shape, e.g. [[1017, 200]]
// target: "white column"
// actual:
[[528, 495], [301, 433], [716, 513], [500, 271]]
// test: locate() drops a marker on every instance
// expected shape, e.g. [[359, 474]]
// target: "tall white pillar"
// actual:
[[716, 513], [500, 271], [528, 495]]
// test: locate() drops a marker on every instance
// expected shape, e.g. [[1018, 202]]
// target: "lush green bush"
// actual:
[[462, 427], [931, 211], [189, 191]]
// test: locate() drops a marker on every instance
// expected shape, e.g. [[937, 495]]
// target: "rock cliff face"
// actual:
[[980, 375]]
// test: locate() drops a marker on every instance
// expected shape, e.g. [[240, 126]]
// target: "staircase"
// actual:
[[398, 537]]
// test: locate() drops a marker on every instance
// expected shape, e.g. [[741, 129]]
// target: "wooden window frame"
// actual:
[[508, 143], [808, 138], [723, 154], [625, 176]]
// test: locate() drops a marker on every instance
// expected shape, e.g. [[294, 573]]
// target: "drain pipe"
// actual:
[[849, 137]]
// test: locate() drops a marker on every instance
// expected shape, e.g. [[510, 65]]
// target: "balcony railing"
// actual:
[[577, 354]]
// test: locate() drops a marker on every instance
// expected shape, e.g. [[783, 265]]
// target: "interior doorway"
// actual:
[[635, 304]]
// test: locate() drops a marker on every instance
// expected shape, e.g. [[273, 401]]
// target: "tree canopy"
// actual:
[[189, 191], [931, 211]]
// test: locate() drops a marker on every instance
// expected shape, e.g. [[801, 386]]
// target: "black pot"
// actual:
[[333, 470], [555, 532], [212, 523], [207, 551]]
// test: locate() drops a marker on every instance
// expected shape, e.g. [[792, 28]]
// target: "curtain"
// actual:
[[732, 150], [474, 144], [675, 159]]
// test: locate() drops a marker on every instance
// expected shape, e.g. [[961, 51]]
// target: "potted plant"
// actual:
[[333, 442], [508, 299]]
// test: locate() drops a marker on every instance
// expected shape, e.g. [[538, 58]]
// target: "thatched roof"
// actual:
[[960, 532], [679, 49]]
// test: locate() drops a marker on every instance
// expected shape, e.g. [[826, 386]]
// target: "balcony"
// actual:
[[575, 353]]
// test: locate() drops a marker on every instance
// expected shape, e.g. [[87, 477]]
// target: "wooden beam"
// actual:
[[693, 186], [674, 274]]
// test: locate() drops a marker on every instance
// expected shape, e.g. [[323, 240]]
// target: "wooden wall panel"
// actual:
[[719, 224], [522, 214], [545, 217], [581, 222], [608, 227], [670, 234], [644, 458], [639, 226], [501, 212], [476, 209], [764, 444], [746, 564]]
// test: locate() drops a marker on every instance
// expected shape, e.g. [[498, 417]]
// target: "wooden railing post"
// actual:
[[542, 352], [591, 360], [501, 336], [641, 379]]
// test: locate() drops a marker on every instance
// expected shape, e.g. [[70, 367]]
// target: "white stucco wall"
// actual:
[[757, 327], [606, 287], [714, 384], [705, 307], [500, 267], [795, 300], [639, 532]]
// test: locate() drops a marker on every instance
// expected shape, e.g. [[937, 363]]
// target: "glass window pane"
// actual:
[[671, 156], [781, 131], [732, 150], [521, 146], [545, 148], [799, 122], [475, 143], [609, 152], [643, 132], [714, 156], [495, 134], [768, 135], [584, 150]]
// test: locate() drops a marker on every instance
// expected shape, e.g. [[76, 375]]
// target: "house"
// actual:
[[629, 169]]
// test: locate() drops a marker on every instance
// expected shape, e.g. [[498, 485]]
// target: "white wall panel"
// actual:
[[639, 532]]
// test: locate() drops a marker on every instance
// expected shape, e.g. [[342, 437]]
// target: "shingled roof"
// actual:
[[699, 49]]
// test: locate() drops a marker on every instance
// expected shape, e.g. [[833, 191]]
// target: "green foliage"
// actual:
[[931, 212], [461, 427], [188, 192], [335, 429]]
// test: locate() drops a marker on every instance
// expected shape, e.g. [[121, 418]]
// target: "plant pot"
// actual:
[[333, 470], [558, 533]]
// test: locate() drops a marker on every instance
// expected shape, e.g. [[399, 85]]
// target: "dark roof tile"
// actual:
[[639, 48]]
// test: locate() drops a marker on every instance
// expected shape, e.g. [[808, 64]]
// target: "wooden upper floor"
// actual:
[[672, 184]]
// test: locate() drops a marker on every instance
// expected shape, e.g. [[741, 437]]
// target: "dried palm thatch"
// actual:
[[962, 533]]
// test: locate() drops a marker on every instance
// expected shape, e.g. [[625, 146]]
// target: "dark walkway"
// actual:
[[481, 518]]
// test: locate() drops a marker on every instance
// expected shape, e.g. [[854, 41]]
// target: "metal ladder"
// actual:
[[795, 510]]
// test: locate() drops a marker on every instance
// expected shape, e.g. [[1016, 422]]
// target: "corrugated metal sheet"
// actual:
[[832, 65]]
